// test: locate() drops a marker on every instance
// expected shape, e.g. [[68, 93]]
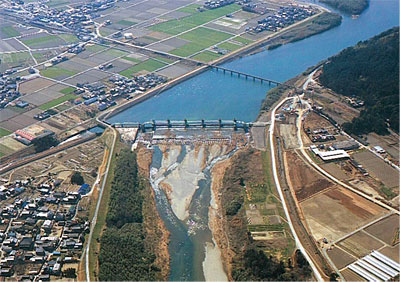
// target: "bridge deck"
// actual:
[[246, 75]]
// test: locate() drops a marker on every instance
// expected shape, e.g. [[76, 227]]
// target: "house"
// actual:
[[26, 243], [345, 145], [379, 149]]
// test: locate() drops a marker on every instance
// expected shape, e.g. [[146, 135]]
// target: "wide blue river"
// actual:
[[213, 95]]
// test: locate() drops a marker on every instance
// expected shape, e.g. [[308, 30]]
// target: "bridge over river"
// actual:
[[156, 124]]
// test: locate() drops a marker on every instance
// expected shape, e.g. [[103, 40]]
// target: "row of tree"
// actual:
[[370, 71], [123, 252]]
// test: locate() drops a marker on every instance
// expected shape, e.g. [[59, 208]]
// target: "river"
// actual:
[[213, 95]]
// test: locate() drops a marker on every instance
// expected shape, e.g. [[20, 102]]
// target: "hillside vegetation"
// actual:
[[124, 255], [370, 71], [354, 7], [253, 260]]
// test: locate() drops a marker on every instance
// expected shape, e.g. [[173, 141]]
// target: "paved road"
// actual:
[[299, 245], [96, 212]]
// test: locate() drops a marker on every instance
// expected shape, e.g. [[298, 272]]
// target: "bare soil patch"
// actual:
[[360, 244], [305, 181], [339, 257], [392, 252], [336, 212], [378, 168], [386, 229], [33, 85]]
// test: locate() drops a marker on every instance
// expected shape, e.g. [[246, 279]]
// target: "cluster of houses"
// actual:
[[77, 19], [39, 235], [319, 135], [8, 90], [354, 102], [217, 4], [285, 16], [123, 88], [127, 87]]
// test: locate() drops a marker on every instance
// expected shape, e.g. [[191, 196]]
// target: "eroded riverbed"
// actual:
[[181, 178]]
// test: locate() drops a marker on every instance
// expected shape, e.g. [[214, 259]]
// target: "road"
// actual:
[[96, 212], [299, 245]]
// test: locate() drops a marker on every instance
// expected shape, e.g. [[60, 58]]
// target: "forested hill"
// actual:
[[354, 7], [369, 70]]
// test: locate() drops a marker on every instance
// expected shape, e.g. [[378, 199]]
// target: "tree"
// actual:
[[44, 143], [69, 273], [333, 276], [77, 178], [369, 71]]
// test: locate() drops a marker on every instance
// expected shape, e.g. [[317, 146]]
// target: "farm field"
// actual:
[[175, 26], [386, 229], [4, 132], [12, 60], [378, 168], [304, 180], [206, 56], [149, 65], [57, 72], [199, 39], [337, 212], [229, 46], [10, 31], [57, 101]]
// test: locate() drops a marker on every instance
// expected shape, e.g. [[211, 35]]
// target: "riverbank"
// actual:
[[157, 238]]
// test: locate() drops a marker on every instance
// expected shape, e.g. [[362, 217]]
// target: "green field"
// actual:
[[4, 132], [55, 3], [191, 9], [206, 56], [40, 40], [69, 38], [200, 38], [125, 22], [132, 59], [177, 26], [165, 60], [53, 72], [15, 57], [10, 31], [229, 46], [67, 90], [106, 31], [148, 65], [57, 101], [95, 48], [115, 53], [242, 40]]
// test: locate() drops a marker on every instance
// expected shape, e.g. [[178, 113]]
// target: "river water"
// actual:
[[213, 95]]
